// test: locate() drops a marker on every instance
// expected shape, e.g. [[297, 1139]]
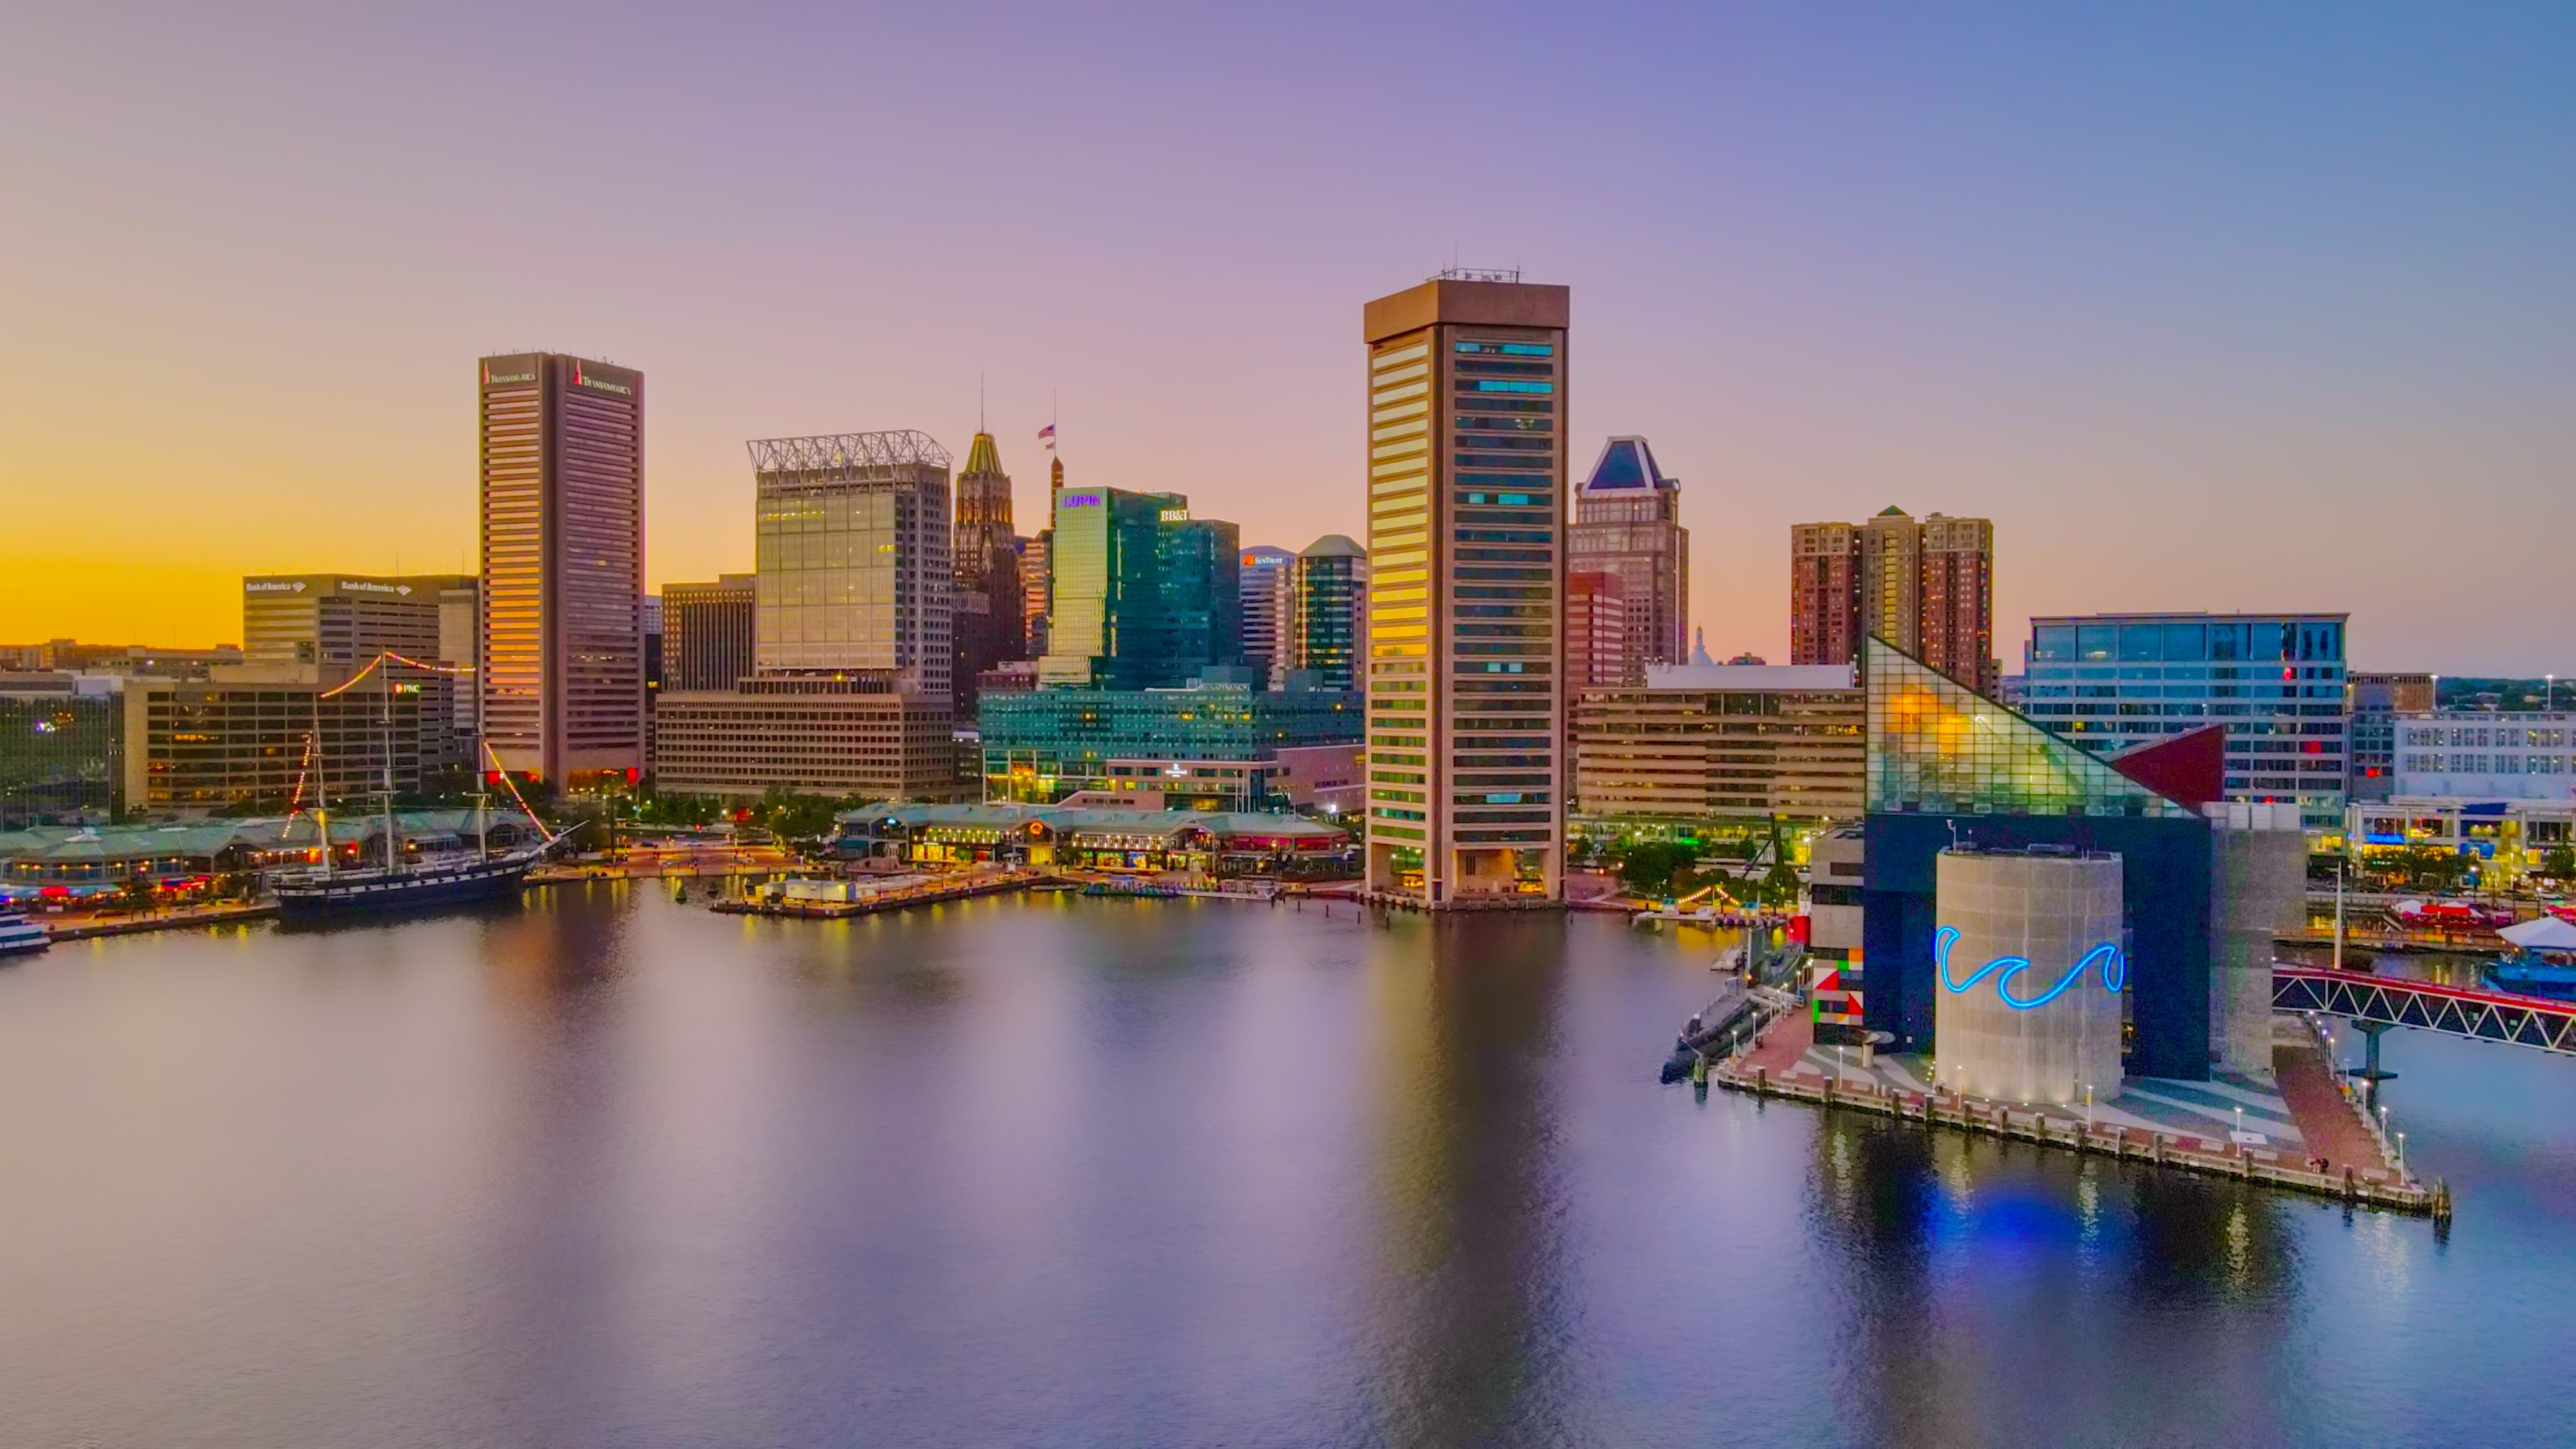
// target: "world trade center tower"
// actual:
[[1465, 679]]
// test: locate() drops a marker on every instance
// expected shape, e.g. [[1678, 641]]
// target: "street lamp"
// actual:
[[2401, 1152]]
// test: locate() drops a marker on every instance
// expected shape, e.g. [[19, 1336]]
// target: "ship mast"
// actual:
[[385, 736], [321, 790]]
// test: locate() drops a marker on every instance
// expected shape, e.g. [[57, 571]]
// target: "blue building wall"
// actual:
[[2165, 884]]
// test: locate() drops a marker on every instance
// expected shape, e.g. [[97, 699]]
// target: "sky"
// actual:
[[2207, 306]]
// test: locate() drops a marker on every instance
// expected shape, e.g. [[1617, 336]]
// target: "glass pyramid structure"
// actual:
[[1938, 747]]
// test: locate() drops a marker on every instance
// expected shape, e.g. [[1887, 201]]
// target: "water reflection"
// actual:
[[1467, 1188]]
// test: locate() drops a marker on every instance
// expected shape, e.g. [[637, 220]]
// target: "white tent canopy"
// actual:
[[2547, 933]]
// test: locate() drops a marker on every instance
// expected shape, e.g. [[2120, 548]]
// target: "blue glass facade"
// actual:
[[2109, 682]]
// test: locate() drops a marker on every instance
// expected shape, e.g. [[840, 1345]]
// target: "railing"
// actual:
[[2480, 1015]]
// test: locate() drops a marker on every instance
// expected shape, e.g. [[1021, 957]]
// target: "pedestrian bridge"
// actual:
[[2391, 1001]]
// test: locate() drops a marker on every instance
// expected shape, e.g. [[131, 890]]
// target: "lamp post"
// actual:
[[2088, 1109], [2401, 1152]]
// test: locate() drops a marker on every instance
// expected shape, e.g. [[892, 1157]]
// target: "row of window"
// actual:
[[2475, 764]]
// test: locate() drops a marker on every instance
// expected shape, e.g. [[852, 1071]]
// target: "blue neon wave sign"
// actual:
[[2114, 969]]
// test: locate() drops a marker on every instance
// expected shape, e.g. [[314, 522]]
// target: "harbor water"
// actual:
[[609, 1170]]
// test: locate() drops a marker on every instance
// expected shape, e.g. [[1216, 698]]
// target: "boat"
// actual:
[[20, 936], [2543, 960], [475, 877]]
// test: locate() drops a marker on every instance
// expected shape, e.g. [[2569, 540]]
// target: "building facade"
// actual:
[[1926, 587], [2376, 700], [2110, 682], [1328, 614], [562, 507], [1597, 635], [1037, 586], [857, 734], [1265, 585], [1046, 744], [333, 625], [851, 561], [1627, 522], [2482, 755], [1705, 741], [274, 738], [1468, 379], [707, 633]]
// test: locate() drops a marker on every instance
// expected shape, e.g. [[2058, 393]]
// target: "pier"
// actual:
[[2330, 1116]]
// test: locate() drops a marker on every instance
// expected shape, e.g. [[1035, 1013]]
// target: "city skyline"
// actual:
[[2253, 302]]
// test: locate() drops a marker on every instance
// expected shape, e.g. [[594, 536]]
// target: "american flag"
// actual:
[[1046, 435]]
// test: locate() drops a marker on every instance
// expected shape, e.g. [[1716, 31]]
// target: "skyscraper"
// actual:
[[1143, 595], [1928, 588], [1267, 586], [328, 627], [1328, 614], [1466, 709], [563, 567], [707, 632], [1627, 521], [984, 553], [852, 565]]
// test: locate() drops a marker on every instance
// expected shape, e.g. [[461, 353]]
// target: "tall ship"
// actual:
[[470, 876], [466, 878]]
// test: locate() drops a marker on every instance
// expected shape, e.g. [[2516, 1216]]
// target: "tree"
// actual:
[[2560, 863], [138, 891], [1658, 868]]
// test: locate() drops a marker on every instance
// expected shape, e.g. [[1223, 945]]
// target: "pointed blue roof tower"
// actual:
[[1626, 463]]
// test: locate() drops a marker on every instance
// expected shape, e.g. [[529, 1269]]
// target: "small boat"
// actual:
[[20, 936], [1730, 960], [2534, 977]]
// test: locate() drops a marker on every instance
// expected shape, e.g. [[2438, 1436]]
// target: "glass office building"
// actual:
[[2110, 682], [852, 555], [1144, 596], [1044, 744], [1329, 615]]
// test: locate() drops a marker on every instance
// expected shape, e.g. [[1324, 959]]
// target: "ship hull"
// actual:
[[354, 897]]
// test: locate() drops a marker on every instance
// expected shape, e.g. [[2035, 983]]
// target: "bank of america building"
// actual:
[[2112, 682]]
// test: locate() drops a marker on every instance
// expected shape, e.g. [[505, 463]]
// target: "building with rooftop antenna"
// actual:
[[1627, 523], [1465, 680]]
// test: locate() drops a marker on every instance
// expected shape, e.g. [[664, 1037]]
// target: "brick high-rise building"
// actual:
[[1958, 601], [1926, 587], [562, 672], [1465, 681]]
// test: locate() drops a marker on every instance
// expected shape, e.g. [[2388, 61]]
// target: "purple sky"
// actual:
[[2206, 307]]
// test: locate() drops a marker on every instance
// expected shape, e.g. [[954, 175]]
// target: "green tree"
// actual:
[[2559, 863], [1658, 868], [137, 891]]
